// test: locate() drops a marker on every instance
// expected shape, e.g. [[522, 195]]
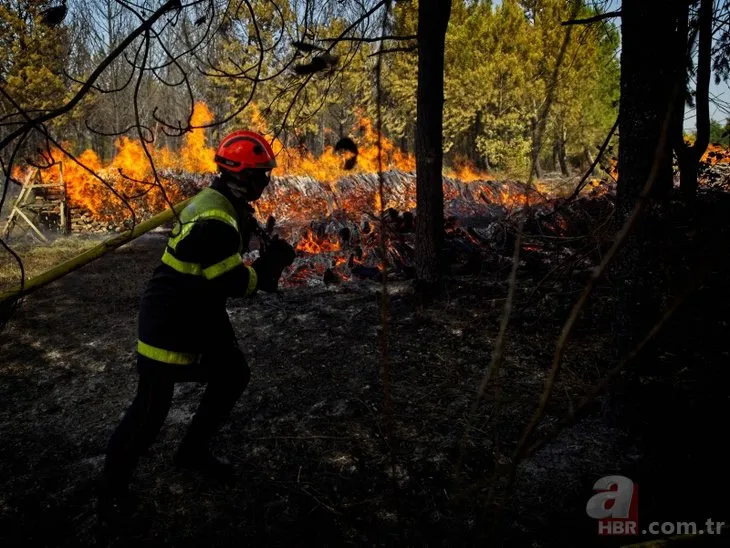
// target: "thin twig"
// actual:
[[583, 181], [88, 85], [384, 298], [594, 19], [567, 329]]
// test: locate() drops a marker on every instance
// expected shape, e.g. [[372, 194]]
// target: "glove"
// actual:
[[272, 262]]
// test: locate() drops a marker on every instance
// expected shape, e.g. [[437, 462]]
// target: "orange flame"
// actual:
[[129, 176], [330, 165], [310, 244], [196, 157], [467, 173], [716, 154]]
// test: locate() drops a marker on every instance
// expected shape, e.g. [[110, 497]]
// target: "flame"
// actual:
[[465, 172], [129, 176], [310, 244], [378, 204], [195, 156], [716, 154], [330, 165]]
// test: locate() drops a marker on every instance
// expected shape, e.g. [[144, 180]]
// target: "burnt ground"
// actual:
[[311, 435]]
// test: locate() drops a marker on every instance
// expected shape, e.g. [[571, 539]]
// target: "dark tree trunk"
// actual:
[[689, 157], [562, 156], [433, 19], [480, 160], [647, 93], [560, 159], [535, 152], [404, 145], [653, 401], [537, 172]]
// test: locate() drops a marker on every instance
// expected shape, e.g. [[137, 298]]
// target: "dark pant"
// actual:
[[226, 373]]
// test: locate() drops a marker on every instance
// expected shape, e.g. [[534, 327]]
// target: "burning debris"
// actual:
[[336, 228], [329, 207]]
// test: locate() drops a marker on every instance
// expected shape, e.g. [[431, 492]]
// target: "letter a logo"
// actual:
[[615, 505]]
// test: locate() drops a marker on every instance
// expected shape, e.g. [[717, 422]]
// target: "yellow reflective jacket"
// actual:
[[208, 204], [183, 307]]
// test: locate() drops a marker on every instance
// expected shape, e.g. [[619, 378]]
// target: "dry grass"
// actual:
[[38, 257]]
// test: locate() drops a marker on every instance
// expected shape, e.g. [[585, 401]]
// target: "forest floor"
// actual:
[[321, 460]]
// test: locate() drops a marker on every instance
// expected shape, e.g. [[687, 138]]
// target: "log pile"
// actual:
[[296, 199], [355, 195], [336, 249], [82, 220]]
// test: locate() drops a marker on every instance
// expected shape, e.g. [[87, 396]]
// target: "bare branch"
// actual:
[[88, 85], [378, 39], [407, 49], [602, 150], [598, 272], [594, 19]]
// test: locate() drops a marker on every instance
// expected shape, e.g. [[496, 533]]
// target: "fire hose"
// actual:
[[91, 254], [263, 233]]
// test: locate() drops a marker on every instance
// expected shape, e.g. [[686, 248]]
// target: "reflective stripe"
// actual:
[[210, 214], [166, 356], [222, 267], [195, 269], [209, 204], [253, 281], [181, 266]]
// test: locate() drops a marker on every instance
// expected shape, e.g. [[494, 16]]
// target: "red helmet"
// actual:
[[244, 150]]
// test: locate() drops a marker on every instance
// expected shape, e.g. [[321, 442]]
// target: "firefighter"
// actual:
[[184, 330]]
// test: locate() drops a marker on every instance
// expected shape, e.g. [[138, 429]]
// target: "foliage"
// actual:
[[720, 134], [32, 56], [498, 64], [240, 61]]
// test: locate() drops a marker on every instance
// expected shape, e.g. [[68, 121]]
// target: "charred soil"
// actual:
[[323, 456]]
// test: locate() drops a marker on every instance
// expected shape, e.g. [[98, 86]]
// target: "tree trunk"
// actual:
[[536, 165], [689, 157], [480, 161], [433, 18], [562, 156], [648, 401], [647, 90], [563, 162], [589, 157]]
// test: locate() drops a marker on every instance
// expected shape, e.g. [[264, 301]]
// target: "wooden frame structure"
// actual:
[[27, 201]]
